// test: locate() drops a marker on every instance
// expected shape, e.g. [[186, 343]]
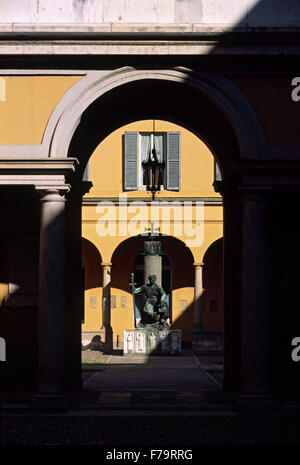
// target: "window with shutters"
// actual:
[[147, 141], [138, 147]]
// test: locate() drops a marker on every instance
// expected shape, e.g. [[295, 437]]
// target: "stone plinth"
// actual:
[[152, 341]]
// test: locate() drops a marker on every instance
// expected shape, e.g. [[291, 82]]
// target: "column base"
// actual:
[[249, 402], [206, 341], [51, 401]]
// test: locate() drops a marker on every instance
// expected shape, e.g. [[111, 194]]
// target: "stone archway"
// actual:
[[179, 101], [229, 100], [181, 262], [226, 122]]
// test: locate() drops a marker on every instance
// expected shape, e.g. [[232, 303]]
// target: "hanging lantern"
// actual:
[[153, 172]]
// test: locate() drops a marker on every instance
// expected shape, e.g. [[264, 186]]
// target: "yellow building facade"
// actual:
[[116, 221]]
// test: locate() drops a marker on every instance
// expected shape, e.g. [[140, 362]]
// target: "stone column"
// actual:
[[255, 303], [52, 302], [75, 283], [106, 329], [153, 265], [232, 279], [198, 302]]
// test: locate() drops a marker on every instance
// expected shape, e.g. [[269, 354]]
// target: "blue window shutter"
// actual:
[[131, 161], [173, 161], [86, 173]]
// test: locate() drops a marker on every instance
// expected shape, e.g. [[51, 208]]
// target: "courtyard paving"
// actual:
[[150, 401], [178, 381]]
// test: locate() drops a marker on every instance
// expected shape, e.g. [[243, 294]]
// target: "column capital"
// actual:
[[225, 188], [106, 264], [79, 189], [252, 192], [271, 172], [53, 194], [198, 264]]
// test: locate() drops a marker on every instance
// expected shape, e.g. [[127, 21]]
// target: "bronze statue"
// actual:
[[155, 311]]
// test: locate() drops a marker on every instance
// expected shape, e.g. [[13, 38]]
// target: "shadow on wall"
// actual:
[[92, 260]]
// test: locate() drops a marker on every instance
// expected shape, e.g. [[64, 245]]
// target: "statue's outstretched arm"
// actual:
[[138, 290]]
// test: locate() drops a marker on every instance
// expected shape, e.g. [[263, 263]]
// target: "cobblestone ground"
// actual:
[[112, 429], [213, 365], [92, 357], [150, 431]]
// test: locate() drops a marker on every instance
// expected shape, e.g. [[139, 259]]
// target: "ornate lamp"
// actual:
[[153, 172]]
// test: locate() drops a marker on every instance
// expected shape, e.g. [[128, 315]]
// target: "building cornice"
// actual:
[[192, 31], [258, 173], [59, 165], [147, 40], [42, 173], [93, 201]]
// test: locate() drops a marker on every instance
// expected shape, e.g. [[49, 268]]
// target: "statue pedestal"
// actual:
[[152, 341]]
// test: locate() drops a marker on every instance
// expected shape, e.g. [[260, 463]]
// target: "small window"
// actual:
[[113, 301], [93, 301], [137, 149], [147, 142], [123, 301]]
